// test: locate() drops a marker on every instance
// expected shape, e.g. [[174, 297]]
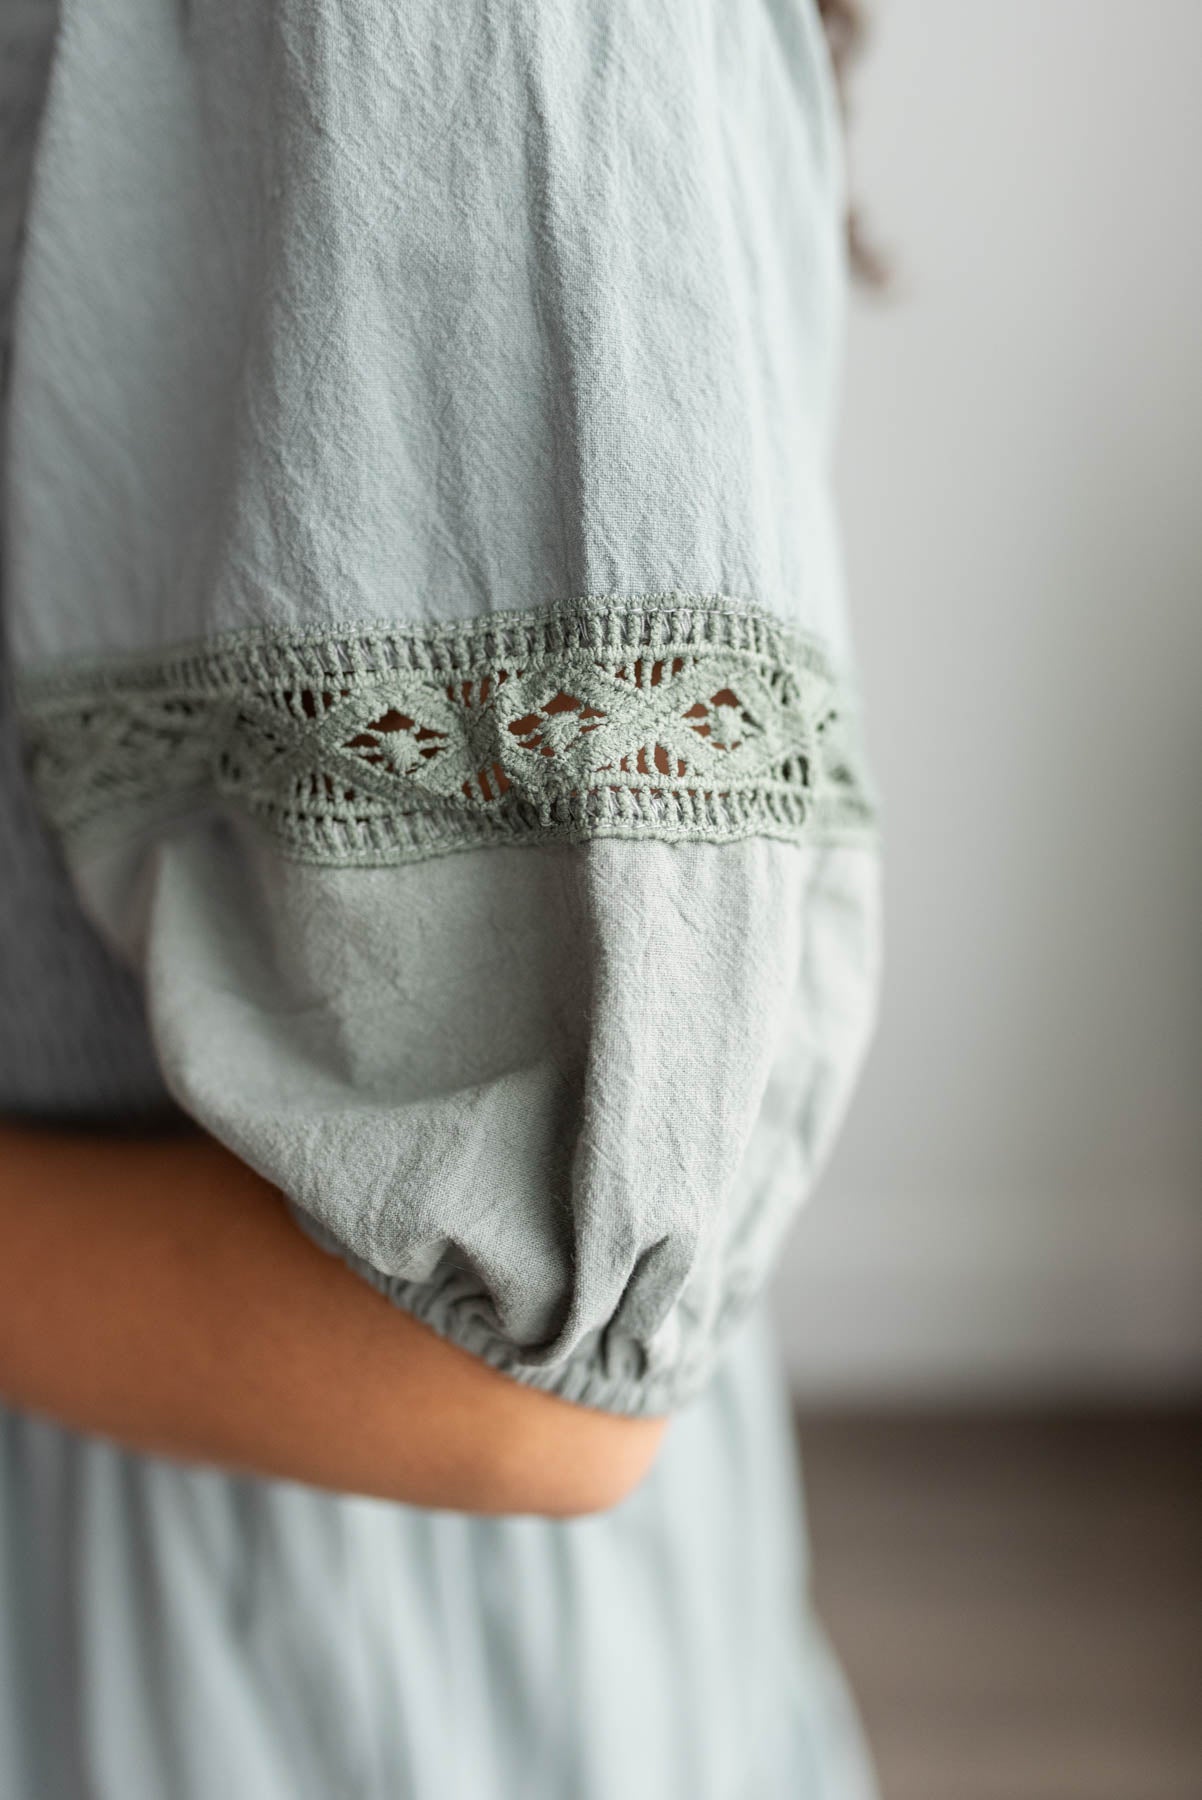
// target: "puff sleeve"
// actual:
[[430, 645]]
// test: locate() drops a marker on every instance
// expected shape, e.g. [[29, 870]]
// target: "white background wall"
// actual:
[[1016, 1204]]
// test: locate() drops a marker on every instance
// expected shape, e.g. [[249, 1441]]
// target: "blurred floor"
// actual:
[[1017, 1601]]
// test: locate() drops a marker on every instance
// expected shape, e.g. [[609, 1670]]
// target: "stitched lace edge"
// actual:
[[117, 743]]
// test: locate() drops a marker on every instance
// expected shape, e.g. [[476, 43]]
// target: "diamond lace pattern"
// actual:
[[671, 719]]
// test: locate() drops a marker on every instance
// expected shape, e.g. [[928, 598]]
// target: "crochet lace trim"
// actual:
[[670, 718]]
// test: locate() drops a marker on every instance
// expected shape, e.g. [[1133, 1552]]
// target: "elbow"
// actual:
[[468, 1438], [571, 1462], [604, 1478]]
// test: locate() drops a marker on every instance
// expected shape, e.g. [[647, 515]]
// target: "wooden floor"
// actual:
[[1017, 1601]]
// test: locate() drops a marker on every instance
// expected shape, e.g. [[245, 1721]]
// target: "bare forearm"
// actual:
[[157, 1292]]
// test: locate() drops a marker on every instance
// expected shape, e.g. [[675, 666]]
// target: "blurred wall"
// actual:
[[1016, 1203]]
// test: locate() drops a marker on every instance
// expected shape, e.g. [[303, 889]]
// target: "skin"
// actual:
[[157, 1292]]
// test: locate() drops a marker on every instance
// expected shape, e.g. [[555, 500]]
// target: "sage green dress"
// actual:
[[430, 764]]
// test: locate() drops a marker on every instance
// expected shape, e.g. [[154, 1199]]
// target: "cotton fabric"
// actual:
[[345, 325]]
